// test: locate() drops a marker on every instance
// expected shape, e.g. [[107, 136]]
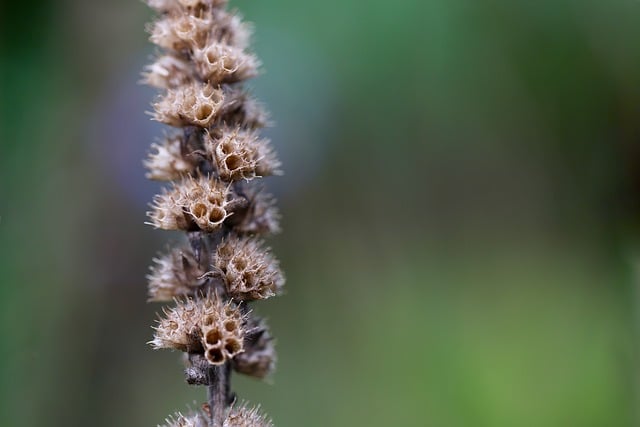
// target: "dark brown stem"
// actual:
[[217, 378], [219, 393]]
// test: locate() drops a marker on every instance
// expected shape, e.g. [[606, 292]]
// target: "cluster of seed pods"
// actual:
[[212, 161]]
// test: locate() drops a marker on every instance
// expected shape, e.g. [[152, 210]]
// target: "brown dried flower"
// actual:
[[243, 110], [248, 269], [179, 328], [207, 324], [246, 417], [258, 216], [240, 416], [240, 154], [168, 71], [223, 63], [192, 104], [194, 419], [259, 357], [166, 162], [174, 274], [192, 203], [222, 330]]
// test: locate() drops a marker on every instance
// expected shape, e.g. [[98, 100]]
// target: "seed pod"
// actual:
[[194, 419], [168, 71], [179, 328], [244, 416], [192, 204], [166, 161], [259, 215], [240, 154], [259, 357], [194, 104], [222, 330], [249, 270], [174, 274], [221, 63]]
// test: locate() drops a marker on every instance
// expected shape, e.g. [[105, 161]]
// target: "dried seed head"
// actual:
[[194, 419], [228, 28], [199, 3], [240, 109], [162, 6], [166, 161], [246, 417], [240, 154], [206, 324], [181, 32], [168, 71], [174, 274], [207, 54], [221, 63], [178, 329], [258, 216], [249, 270], [259, 357], [167, 212], [222, 330], [192, 203], [192, 104]]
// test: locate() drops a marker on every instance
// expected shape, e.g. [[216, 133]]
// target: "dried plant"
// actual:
[[212, 161]]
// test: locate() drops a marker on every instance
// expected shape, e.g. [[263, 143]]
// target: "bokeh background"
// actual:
[[461, 206]]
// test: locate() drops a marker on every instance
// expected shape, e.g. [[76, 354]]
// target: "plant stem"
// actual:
[[218, 392]]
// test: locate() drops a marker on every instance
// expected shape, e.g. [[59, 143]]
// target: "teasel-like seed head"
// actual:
[[259, 356], [168, 71], [249, 270], [222, 330], [221, 63], [179, 327], [174, 274], [243, 416], [166, 162], [193, 203], [197, 104], [259, 215], [239, 153], [193, 419]]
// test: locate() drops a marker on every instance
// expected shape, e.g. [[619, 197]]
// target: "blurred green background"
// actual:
[[461, 206]]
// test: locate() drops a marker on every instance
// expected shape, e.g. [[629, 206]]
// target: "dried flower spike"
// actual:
[[217, 149]]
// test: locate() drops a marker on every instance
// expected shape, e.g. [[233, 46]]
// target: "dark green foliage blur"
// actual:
[[461, 211]]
